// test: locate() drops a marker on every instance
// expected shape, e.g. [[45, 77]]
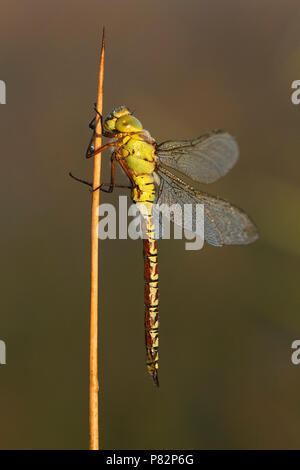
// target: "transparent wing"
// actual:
[[224, 224], [204, 159]]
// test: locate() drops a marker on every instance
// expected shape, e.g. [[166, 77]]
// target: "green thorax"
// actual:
[[135, 149], [140, 158], [139, 152]]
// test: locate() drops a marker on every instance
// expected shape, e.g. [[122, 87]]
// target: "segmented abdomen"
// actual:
[[151, 297]]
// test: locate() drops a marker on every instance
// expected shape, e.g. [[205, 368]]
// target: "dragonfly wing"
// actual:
[[224, 224], [204, 159]]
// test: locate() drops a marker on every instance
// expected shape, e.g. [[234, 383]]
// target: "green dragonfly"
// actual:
[[157, 175]]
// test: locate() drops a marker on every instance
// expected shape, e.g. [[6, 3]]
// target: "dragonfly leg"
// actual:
[[100, 115], [92, 125], [109, 190], [112, 176], [104, 132], [101, 185], [80, 180], [91, 152]]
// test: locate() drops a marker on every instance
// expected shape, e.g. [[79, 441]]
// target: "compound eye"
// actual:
[[110, 124], [128, 124]]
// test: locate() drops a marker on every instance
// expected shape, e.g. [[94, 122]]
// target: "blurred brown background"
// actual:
[[229, 315]]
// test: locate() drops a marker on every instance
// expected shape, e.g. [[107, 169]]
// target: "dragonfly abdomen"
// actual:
[[144, 195], [151, 298], [141, 162]]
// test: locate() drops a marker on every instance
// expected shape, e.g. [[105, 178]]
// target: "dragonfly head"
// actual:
[[122, 120]]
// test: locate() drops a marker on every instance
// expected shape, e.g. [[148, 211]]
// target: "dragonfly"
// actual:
[[157, 174]]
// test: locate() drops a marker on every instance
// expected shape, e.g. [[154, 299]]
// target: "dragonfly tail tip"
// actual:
[[155, 378]]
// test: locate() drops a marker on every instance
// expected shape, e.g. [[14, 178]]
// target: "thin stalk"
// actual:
[[94, 383]]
